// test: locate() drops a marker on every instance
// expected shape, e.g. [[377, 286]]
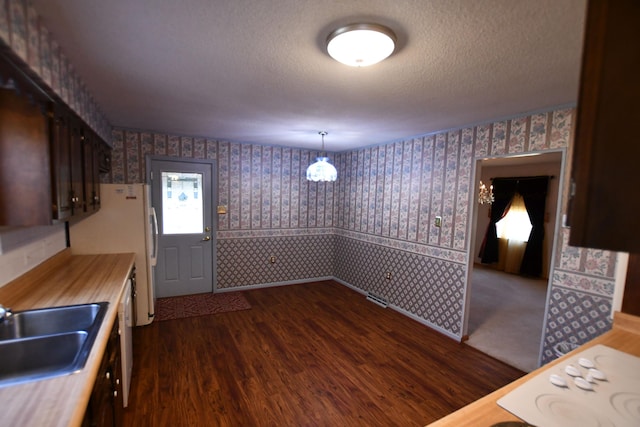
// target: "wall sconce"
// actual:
[[485, 195], [222, 209]]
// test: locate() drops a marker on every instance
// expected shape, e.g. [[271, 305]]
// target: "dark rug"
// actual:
[[199, 305]]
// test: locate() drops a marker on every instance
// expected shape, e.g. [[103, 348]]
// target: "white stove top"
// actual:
[[581, 399]]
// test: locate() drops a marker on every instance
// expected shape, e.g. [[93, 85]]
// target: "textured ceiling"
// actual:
[[257, 71]]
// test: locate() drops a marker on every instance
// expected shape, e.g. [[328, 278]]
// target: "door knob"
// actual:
[[206, 238], [207, 229]]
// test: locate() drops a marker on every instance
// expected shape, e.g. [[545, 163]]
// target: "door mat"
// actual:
[[199, 305]]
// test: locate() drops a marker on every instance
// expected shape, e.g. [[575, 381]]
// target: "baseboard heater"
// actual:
[[382, 302]]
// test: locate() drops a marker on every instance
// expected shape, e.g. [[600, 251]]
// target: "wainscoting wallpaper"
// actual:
[[22, 31], [377, 218]]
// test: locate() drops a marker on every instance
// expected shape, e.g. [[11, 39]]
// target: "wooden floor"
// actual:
[[316, 354]]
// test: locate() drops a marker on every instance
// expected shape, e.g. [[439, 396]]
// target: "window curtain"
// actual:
[[534, 193], [503, 191]]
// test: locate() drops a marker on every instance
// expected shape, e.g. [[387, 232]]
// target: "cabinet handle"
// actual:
[[108, 375], [115, 393], [118, 381]]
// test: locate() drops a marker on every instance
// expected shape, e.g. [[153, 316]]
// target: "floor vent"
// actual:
[[382, 302]]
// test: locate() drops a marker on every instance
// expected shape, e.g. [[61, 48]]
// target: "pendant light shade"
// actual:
[[321, 170], [361, 45]]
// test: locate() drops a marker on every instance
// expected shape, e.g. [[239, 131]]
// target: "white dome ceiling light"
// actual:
[[361, 45]]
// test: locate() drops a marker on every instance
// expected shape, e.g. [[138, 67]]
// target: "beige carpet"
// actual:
[[506, 316]]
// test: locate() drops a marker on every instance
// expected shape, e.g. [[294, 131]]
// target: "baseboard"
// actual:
[[272, 284]]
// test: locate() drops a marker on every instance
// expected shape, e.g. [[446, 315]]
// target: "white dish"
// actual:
[[557, 380], [586, 363], [573, 371], [582, 383], [597, 374]]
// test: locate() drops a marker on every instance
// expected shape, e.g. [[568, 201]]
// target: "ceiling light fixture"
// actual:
[[322, 170], [361, 45]]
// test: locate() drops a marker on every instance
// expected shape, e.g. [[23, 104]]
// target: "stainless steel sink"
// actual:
[[45, 343], [49, 321]]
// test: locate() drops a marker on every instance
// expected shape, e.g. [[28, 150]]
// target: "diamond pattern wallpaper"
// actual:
[[427, 287], [247, 261], [378, 217]]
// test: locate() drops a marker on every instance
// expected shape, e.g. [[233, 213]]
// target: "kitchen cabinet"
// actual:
[[105, 407], [603, 210], [77, 153], [24, 151], [50, 160], [61, 190], [91, 155]]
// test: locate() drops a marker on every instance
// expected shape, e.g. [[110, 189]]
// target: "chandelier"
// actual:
[[322, 170], [485, 195]]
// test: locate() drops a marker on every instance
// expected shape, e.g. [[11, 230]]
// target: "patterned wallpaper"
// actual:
[[390, 195], [377, 216], [24, 33]]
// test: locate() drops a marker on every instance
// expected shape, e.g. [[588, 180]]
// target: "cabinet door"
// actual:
[[604, 207], [91, 177], [78, 201], [25, 176], [61, 163], [100, 411]]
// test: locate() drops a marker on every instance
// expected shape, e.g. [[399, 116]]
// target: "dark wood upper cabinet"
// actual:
[[24, 152], [91, 155], [50, 159], [604, 209], [61, 163]]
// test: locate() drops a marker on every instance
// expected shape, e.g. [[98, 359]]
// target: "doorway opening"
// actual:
[[505, 310]]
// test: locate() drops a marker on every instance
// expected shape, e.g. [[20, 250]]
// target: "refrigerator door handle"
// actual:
[[154, 222]]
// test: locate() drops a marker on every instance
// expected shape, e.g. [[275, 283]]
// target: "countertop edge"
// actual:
[[64, 279], [624, 335]]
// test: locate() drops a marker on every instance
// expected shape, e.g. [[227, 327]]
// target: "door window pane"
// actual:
[[182, 205]]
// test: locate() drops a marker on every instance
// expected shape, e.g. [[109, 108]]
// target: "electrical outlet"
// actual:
[[438, 221], [272, 259], [388, 275]]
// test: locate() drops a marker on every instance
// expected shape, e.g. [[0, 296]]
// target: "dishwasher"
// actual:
[[126, 316]]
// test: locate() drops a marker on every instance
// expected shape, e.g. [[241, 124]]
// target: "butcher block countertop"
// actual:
[[62, 280], [485, 412]]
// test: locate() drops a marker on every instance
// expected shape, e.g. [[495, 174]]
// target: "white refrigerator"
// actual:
[[125, 223]]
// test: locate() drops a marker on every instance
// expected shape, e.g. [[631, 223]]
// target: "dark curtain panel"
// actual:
[[503, 191], [534, 193]]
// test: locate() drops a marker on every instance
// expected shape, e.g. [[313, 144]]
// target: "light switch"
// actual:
[[438, 221]]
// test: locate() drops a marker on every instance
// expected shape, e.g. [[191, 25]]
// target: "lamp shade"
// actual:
[[361, 45], [322, 170]]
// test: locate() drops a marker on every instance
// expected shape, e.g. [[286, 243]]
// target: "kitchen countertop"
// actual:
[[485, 412], [64, 279]]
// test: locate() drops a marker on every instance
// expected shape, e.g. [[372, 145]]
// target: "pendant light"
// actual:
[[322, 170]]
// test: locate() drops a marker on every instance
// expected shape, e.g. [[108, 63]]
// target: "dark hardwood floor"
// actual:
[[316, 354]]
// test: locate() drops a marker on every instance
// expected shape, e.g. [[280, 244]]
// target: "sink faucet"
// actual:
[[4, 312]]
